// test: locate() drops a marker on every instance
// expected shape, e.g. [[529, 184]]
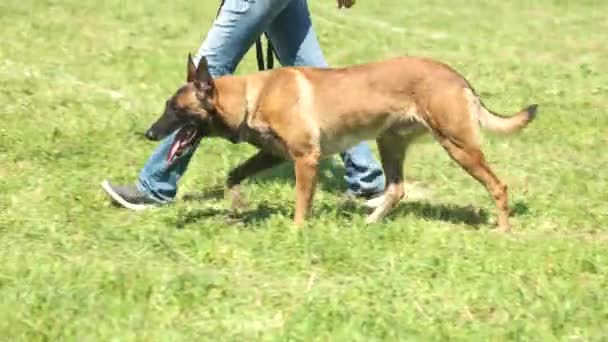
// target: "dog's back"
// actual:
[[340, 107]]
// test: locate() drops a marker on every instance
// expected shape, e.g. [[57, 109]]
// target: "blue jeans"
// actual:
[[239, 24]]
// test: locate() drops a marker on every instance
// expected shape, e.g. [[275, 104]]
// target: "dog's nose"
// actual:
[[150, 135]]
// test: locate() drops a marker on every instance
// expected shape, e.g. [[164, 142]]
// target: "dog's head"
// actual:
[[192, 105]]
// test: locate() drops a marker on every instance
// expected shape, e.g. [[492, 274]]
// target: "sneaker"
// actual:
[[370, 201], [128, 196], [413, 191], [374, 200]]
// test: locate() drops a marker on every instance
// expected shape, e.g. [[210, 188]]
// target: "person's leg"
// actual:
[[239, 24], [296, 44], [364, 174]]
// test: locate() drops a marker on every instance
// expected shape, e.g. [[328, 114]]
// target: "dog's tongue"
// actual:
[[186, 137]]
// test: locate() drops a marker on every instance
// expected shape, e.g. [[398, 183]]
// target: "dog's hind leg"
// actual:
[[257, 163], [470, 157], [392, 148], [453, 120]]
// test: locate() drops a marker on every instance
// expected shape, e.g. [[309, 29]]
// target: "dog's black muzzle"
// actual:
[[164, 126]]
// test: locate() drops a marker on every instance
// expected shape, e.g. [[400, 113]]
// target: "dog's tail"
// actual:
[[503, 124]]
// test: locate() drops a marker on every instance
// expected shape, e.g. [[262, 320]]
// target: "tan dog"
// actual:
[[306, 114]]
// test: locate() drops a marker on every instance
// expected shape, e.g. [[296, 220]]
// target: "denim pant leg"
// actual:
[[364, 175], [295, 43], [238, 25]]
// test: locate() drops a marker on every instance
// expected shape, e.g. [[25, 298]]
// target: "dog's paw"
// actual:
[[372, 219], [237, 201], [239, 204]]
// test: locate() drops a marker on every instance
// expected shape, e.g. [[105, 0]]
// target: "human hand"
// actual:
[[345, 3]]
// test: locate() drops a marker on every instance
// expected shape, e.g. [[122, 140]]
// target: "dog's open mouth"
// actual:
[[186, 137]]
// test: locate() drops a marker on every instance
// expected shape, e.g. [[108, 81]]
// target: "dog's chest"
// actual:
[[263, 139]]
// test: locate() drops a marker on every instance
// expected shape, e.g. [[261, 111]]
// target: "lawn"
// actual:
[[81, 80]]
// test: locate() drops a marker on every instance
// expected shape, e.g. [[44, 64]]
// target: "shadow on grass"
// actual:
[[447, 213], [240, 218], [468, 215], [518, 208], [443, 212], [333, 182], [331, 179], [209, 193], [261, 212]]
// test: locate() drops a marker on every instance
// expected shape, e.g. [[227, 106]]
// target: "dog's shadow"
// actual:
[[456, 214], [331, 180]]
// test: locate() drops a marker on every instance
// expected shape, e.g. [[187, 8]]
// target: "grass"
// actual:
[[79, 82]]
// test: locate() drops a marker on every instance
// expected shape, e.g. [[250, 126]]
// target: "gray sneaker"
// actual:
[[128, 196], [374, 201], [370, 201], [414, 190]]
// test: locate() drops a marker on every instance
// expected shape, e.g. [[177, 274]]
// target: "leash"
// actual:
[[259, 50], [259, 53]]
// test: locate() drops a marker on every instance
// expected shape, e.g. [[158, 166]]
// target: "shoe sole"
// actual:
[[374, 202], [116, 197], [413, 191]]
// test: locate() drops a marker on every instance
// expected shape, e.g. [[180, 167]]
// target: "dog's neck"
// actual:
[[231, 103]]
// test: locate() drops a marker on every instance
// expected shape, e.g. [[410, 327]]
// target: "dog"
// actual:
[[305, 114]]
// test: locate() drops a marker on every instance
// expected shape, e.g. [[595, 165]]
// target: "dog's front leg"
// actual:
[[307, 174], [257, 163]]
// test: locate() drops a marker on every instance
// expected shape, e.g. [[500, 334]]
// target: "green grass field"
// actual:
[[81, 80]]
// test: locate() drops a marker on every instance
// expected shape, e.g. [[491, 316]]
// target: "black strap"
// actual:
[[259, 52], [269, 54]]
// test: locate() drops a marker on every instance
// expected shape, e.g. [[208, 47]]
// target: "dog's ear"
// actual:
[[191, 73], [204, 80]]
